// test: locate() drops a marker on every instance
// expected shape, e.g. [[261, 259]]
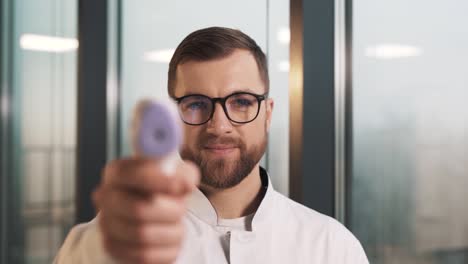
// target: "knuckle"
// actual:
[[179, 211], [139, 211], [108, 232], [110, 170], [190, 173], [170, 207], [159, 202], [191, 167], [141, 234], [108, 246], [110, 167], [170, 256], [103, 223], [146, 256], [178, 236], [101, 197], [178, 204]]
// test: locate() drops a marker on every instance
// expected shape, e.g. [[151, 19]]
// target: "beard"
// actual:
[[223, 173]]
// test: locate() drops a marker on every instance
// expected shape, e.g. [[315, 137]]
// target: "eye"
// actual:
[[242, 102], [196, 105]]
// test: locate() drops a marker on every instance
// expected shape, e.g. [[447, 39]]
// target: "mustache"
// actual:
[[206, 140]]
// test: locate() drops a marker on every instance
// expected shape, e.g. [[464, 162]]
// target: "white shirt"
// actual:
[[225, 227], [282, 231]]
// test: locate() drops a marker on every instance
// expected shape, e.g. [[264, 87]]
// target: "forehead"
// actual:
[[220, 77]]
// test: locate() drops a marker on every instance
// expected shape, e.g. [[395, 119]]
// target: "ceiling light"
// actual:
[[392, 51], [47, 43], [283, 66], [283, 35], [163, 55]]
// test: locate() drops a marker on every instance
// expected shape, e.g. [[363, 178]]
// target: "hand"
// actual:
[[141, 209]]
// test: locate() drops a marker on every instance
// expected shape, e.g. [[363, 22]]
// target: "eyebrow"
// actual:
[[244, 90]]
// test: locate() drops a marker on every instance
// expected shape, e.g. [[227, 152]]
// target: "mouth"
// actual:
[[220, 149]]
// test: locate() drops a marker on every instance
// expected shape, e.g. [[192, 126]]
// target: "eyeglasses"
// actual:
[[239, 107]]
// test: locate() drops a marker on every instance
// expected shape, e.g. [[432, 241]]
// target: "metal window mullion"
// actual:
[[4, 126], [114, 74], [312, 101], [340, 110], [6, 78], [92, 103]]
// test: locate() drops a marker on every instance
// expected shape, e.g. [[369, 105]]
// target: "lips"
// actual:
[[220, 149]]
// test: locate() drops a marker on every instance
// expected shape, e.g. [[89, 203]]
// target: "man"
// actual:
[[219, 78]]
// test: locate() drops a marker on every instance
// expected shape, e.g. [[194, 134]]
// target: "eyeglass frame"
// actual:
[[222, 101]]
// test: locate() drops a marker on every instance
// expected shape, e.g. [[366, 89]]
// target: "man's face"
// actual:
[[226, 152]]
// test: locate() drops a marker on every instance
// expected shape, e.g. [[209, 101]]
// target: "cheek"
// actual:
[[254, 133], [190, 136], [261, 123]]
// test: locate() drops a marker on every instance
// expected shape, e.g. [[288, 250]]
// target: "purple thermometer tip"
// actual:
[[160, 132]]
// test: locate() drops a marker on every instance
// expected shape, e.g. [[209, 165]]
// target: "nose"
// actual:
[[219, 124]]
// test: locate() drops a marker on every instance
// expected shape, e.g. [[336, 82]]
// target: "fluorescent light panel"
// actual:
[[283, 35], [392, 51], [283, 66], [47, 43], [163, 55]]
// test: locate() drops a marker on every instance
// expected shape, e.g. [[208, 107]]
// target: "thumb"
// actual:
[[185, 179]]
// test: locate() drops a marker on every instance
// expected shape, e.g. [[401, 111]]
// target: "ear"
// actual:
[[269, 104]]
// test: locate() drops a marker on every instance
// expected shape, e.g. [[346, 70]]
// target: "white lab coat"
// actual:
[[283, 231]]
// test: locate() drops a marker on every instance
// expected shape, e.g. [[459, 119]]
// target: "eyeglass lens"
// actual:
[[198, 109]]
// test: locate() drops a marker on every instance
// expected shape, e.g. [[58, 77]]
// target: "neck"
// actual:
[[240, 200]]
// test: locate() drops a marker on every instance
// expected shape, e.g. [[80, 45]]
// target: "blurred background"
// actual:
[[370, 123]]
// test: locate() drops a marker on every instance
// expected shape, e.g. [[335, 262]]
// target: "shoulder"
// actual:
[[79, 232], [308, 218], [83, 245], [321, 229], [300, 214]]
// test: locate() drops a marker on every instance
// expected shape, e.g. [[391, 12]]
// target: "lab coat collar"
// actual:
[[199, 205]]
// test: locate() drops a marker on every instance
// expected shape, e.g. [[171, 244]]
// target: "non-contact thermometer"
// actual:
[[157, 131]]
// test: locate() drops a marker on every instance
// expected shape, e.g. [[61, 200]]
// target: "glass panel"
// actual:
[[410, 130], [42, 109], [151, 30]]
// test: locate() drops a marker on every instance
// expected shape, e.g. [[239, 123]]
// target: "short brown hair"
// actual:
[[214, 43]]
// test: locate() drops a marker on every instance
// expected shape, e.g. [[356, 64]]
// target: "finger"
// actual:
[[185, 179], [141, 174], [137, 254], [191, 174], [147, 175], [133, 207], [144, 235]]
